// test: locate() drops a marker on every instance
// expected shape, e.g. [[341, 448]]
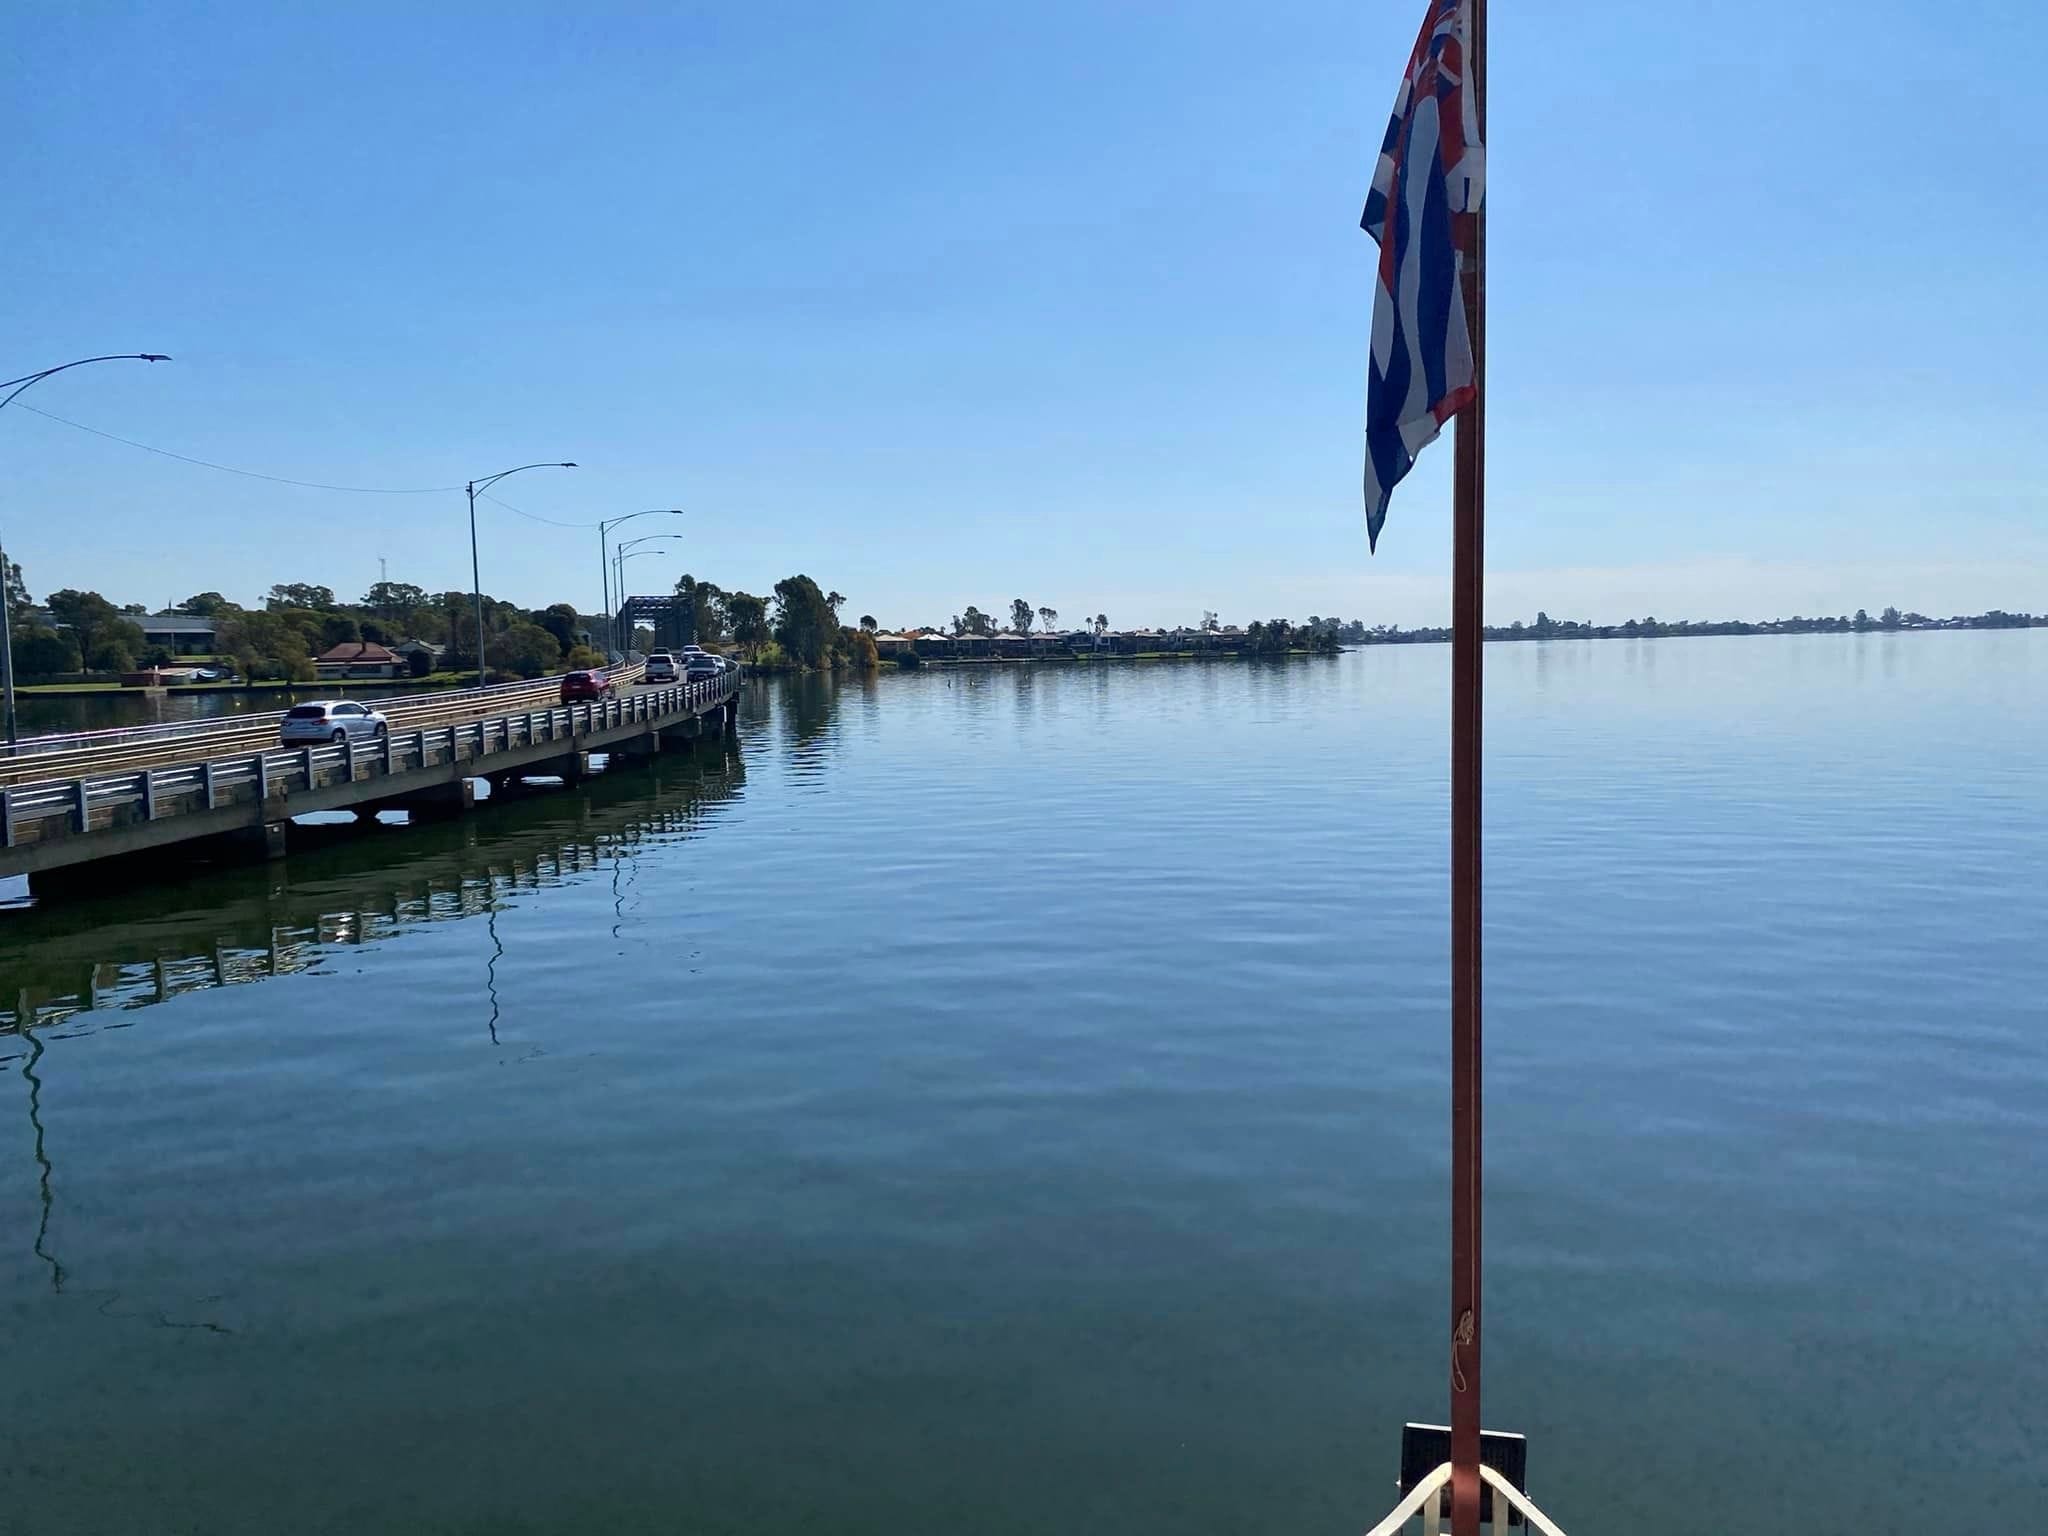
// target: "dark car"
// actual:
[[587, 685]]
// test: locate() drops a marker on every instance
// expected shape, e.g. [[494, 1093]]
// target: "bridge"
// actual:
[[79, 812]]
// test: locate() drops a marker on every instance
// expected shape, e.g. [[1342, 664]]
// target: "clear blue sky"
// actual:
[[951, 303]]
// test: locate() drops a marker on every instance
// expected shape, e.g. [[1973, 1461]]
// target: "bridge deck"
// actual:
[[155, 794]]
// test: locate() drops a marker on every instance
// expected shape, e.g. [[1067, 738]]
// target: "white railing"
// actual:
[[1425, 1501], [216, 781]]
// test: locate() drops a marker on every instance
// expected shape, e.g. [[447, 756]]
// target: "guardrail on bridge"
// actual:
[[268, 778]]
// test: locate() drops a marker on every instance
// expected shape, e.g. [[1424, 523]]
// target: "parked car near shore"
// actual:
[[330, 720]]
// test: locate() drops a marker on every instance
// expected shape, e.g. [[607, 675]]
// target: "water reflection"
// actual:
[[342, 886], [43, 1170]]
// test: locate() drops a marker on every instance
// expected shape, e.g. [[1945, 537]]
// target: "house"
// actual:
[[182, 634], [359, 658], [405, 650]]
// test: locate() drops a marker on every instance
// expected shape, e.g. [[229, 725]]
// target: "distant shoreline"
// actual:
[[1209, 649], [1653, 629]]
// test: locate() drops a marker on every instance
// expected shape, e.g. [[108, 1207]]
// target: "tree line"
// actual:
[[1546, 628], [279, 637], [797, 626]]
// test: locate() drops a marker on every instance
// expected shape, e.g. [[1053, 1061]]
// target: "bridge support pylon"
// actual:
[[435, 800]]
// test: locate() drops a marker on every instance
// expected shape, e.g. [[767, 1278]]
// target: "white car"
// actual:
[[330, 720], [661, 668]]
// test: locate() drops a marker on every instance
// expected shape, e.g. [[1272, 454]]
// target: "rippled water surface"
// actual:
[[1014, 1100]]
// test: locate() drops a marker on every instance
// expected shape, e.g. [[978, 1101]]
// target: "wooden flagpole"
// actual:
[[1468, 591]]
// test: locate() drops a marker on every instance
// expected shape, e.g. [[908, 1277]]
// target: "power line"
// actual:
[[249, 474], [535, 516]]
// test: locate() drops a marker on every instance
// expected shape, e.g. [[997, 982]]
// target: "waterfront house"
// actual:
[[182, 634], [359, 658]]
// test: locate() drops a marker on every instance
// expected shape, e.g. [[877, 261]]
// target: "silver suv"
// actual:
[[330, 720]]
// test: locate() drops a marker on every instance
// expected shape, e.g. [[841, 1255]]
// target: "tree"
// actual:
[[859, 647], [427, 623], [300, 594], [584, 658], [1101, 625], [17, 595], [81, 614], [104, 637], [748, 616], [1048, 619], [1020, 616], [867, 621], [393, 598], [805, 626], [419, 663], [39, 651], [710, 609], [526, 649], [205, 605], [559, 620], [135, 610], [1889, 618], [111, 655], [833, 601], [339, 629], [1210, 623], [265, 646], [1862, 620], [974, 622]]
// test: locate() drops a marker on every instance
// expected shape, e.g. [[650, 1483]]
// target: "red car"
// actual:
[[587, 685]]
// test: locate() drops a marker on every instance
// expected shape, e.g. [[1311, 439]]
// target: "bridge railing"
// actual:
[[193, 739], [438, 700], [96, 800]]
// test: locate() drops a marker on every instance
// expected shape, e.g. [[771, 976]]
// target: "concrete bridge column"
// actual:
[[436, 800], [637, 748]]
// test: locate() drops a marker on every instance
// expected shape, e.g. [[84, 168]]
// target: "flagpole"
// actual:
[[1468, 592]]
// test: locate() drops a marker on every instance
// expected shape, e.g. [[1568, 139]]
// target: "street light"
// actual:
[[604, 529], [618, 557], [626, 552], [476, 580], [15, 387]]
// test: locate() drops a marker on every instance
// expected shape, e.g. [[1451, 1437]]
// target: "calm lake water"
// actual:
[[1014, 1101]]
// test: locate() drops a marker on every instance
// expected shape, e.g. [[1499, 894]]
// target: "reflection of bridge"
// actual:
[[342, 888], [214, 790]]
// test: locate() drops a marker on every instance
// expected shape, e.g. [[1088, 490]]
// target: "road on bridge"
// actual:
[[119, 750]]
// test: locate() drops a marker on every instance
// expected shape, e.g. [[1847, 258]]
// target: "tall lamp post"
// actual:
[[13, 388], [604, 529], [476, 580], [630, 551]]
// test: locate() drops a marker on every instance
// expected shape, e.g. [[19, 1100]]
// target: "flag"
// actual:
[[1425, 193]]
